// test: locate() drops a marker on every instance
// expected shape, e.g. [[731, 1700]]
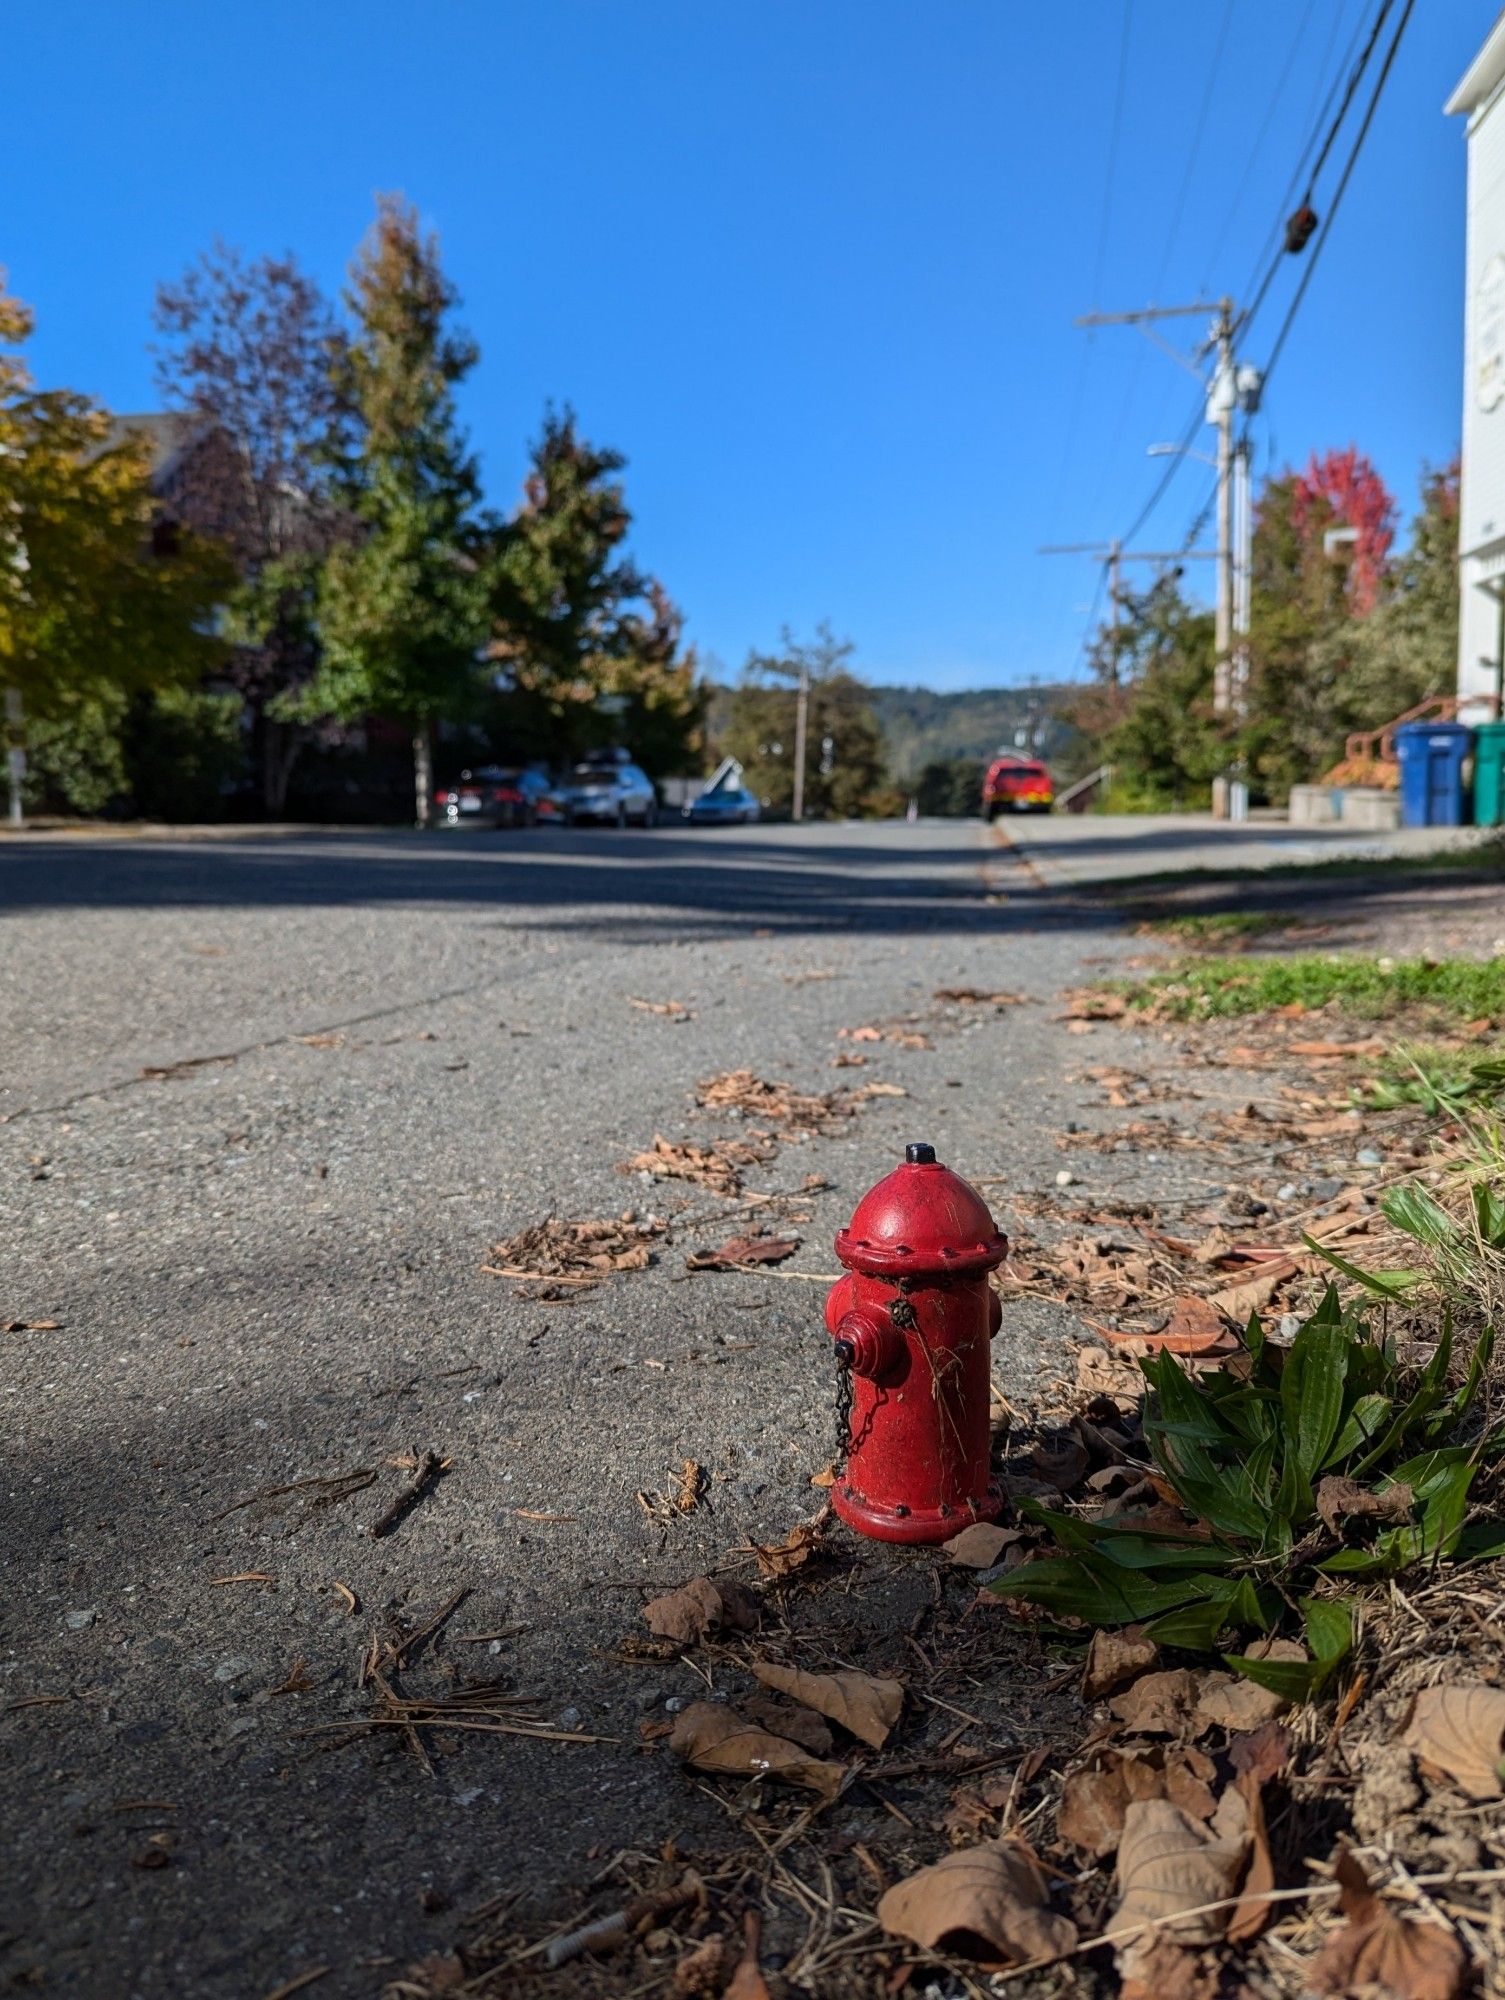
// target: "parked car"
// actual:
[[611, 790], [723, 805], [497, 795], [1017, 784]]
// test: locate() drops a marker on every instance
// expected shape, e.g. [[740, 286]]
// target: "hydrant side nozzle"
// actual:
[[867, 1343]]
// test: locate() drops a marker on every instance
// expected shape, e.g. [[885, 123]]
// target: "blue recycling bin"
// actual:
[[1431, 757]]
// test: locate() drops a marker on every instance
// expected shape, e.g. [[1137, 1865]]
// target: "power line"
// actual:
[[1315, 121], [1338, 192], [1252, 156], [1334, 126], [1115, 129], [1194, 154]]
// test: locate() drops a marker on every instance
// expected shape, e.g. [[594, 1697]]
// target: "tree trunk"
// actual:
[[15, 734], [423, 773], [280, 744]]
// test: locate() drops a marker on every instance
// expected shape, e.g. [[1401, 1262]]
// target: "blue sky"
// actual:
[[812, 264]]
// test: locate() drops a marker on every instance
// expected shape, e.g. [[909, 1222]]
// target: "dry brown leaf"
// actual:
[[1254, 1909], [1087, 1005], [1194, 1325], [1383, 1954], [1263, 1754], [718, 1166], [987, 1903], [1168, 1971], [1340, 1500], [1249, 1294], [1163, 1704], [787, 1718], [1185, 1776], [574, 1254], [1116, 1657], [1168, 1865], [795, 1112], [1234, 1703], [799, 1545], [699, 1607], [862, 1703], [1093, 1804], [1329, 1051], [1455, 1733], [975, 996], [32, 1325], [1060, 1460], [674, 1010], [979, 1546], [740, 1251], [709, 1736]]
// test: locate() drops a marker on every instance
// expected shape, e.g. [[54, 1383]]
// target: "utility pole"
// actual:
[[1114, 555], [1231, 391], [15, 731], [801, 725]]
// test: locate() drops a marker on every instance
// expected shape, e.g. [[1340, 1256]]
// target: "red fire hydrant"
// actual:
[[911, 1325]]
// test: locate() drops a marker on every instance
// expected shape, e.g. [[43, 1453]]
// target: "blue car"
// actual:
[[726, 805]]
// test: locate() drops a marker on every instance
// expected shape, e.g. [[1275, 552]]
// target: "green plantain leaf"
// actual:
[[1077, 1588], [1364, 1421], [1295, 1680], [1311, 1392], [1489, 1216], [1384, 1284], [1329, 1628]]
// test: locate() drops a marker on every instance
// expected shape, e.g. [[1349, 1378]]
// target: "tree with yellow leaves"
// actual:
[[90, 610]]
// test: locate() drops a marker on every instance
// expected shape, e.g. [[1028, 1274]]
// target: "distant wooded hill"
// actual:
[[922, 727]]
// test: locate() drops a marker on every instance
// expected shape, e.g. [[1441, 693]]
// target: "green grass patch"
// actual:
[[1482, 858], [1441, 1077], [1217, 988], [1222, 926]]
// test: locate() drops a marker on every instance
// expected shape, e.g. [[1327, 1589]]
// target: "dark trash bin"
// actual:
[[1431, 757]]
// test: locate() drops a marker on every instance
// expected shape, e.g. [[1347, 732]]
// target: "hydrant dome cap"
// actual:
[[922, 1220]]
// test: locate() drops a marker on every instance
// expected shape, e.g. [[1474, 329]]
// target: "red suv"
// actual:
[[1016, 784]]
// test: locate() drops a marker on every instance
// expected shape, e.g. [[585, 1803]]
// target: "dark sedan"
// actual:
[[496, 795]]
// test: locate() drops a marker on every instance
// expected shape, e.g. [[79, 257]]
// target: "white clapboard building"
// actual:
[[1480, 97]]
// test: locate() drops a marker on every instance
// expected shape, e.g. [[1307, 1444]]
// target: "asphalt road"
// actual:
[[264, 1103]]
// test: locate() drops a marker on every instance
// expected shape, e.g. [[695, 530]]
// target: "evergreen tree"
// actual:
[[1150, 711], [402, 603], [576, 620]]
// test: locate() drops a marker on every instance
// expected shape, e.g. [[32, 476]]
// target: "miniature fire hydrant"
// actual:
[[911, 1324]]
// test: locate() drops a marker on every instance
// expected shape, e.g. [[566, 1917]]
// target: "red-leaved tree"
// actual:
[[1341, 489]]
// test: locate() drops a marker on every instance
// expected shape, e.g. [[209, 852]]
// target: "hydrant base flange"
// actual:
[[914, 1525]]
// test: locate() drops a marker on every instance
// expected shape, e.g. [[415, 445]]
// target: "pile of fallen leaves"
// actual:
[[557, 1258], [718, 1166], [797, 1114], [1129, 1276]]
